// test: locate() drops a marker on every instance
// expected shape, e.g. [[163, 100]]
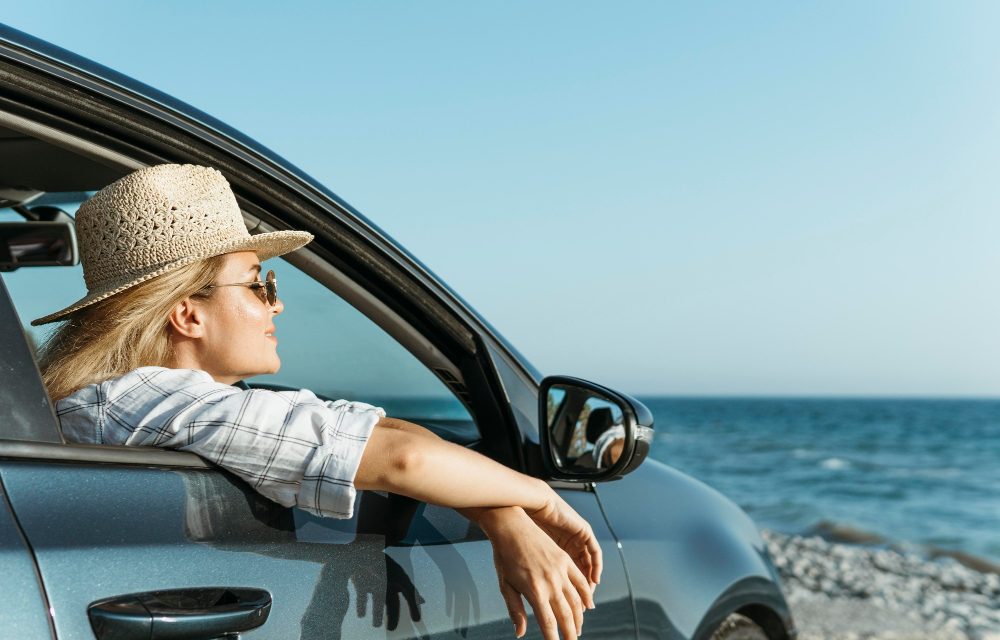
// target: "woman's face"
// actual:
[[238, 338]]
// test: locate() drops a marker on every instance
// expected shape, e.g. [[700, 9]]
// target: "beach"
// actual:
[[852, 591]]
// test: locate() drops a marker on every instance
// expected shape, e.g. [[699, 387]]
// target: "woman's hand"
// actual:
[[529, 563], [573, 534]]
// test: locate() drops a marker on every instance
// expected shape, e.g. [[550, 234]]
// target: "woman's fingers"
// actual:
[[515, 608], [596, 559], [576, 605], [583, 588], [594, 556], [564, 612], [587, 563], [577, 581], [547, 621], [557, 608], [552, 574]]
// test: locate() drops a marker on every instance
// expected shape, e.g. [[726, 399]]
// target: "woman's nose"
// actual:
[[277, 307]]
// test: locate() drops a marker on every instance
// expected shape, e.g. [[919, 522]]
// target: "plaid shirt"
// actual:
[[290, 446]]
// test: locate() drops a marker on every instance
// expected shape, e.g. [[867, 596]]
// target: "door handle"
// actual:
[[180, 614]]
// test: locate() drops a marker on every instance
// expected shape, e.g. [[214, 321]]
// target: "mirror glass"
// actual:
[[586, 429], [25, 244]]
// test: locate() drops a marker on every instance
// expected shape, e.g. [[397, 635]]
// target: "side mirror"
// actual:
[[49, 241], [591, 433]]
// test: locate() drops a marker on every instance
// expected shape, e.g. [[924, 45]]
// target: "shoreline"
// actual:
[[852, 591], [835, 532]]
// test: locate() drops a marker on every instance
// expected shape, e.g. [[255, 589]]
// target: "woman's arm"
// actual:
[[435, 471], [554, 567], [406, 459]]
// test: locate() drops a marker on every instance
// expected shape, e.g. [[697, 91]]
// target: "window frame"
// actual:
[[128, 126], [25, 409]]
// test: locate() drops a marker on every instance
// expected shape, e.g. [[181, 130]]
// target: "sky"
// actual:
[[787, 198]]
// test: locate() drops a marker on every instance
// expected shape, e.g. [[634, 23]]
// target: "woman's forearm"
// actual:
[[487, 518], [406, 459]]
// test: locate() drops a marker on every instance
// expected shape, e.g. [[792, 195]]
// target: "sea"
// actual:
[[917, 473]]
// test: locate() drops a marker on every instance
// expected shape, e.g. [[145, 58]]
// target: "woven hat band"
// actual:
[[106, 269]]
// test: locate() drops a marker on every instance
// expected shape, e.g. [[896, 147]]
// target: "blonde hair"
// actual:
[[121, 333]]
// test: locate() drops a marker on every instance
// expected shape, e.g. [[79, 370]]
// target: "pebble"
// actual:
[[840, 591]]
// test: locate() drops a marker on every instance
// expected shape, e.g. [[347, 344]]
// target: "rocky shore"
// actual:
[[848, 591]]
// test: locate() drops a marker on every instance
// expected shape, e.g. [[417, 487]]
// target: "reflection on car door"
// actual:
[[106, 530], [24, 611], [398, 569]]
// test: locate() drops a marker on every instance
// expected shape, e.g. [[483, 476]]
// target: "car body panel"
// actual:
[[692, 554], [24, 613]]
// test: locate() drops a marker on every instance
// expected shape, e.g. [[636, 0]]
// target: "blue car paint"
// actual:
[[24, 613], [691, 553]]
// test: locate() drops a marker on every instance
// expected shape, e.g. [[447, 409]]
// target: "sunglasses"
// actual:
[[266, 290]]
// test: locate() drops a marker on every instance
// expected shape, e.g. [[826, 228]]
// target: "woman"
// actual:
[[176, 312]]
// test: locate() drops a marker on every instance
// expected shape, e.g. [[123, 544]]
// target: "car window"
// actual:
[[330, 347], [325, 344]]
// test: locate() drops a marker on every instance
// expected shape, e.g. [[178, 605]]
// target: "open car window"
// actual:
[[331, 348], [325, 344]]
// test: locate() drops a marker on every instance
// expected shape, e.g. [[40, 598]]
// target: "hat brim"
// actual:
[[265, 245]]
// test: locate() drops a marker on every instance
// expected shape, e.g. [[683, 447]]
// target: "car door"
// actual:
[[110, 522]]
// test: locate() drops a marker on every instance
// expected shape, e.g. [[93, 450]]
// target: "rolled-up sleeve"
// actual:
[[290, 446], [328, 479]]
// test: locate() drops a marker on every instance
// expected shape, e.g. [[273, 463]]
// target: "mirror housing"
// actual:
[[50, 240], [590, 433]]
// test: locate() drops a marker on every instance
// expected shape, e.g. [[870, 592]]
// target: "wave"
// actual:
[[835, 464]]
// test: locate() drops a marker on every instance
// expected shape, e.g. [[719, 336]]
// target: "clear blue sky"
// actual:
[[707, 198]]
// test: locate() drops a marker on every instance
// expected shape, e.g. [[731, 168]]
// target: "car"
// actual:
[[115, 542]]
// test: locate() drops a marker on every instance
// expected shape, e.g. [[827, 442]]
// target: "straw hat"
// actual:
[[157, 219]]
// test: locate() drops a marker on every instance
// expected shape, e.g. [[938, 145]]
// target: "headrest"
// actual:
[[600, 420]]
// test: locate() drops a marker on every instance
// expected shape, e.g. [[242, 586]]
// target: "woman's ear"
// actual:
[[186, 319]]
